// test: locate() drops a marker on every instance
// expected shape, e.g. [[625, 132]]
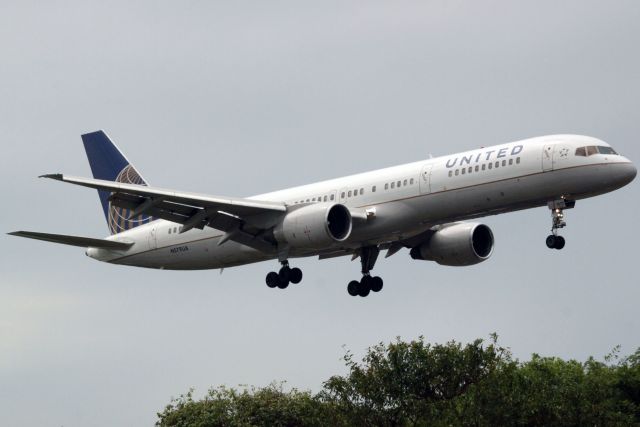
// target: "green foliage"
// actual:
[[268, 406], [419, 384]]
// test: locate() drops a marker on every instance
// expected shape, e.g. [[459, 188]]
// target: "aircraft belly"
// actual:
[[198, 255]]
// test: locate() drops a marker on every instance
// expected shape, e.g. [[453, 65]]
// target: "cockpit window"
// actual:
[[592, 149], [607, 150]]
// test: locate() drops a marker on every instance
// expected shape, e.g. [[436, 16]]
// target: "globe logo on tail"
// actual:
[[119, 220]]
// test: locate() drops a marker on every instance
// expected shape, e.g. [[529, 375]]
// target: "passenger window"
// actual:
[[308, 200], [175, 229], [349, 193], [497, 164], [411, 181], [399, 182], [313, 200], [342, 195], [510, 162], [332, 197], [324, 199], [393, 185], [470, 169], [386, 186], [405, 183], [504, 163], [169, 231], [361, 191], [477, 168], [518, 160], [457, 172], [490, 165], [450, 174], [373, 189], [464, 170], [484, 167]]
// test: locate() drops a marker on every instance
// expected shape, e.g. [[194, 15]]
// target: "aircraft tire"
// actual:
[[272, 279], [285, 275], [282, 284], [352, 288], [551, 241], [559, 243], [295, 275], [365, 286], [376, 284]]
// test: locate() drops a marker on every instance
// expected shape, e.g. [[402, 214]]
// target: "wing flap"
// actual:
[[64, 239], [246, 221]]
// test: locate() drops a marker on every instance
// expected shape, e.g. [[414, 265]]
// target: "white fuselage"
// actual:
[[403, 201]]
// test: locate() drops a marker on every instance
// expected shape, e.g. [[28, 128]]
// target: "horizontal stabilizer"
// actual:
[[84, 242]]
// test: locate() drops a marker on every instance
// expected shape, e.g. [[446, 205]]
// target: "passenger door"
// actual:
[[425, 179], [151, 238], [547, 157]]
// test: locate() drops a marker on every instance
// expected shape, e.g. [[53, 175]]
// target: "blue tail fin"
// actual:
[[108, 163]]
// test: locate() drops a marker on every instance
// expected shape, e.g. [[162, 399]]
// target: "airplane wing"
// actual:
[[244, 220], [84, 242]]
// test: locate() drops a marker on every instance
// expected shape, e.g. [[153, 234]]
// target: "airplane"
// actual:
[[424, 206]]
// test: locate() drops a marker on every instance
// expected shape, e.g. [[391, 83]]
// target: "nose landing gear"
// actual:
[[554, 241]]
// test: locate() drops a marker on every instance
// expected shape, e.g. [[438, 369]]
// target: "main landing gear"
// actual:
[[368, 257], [285, 276], [554, 241]]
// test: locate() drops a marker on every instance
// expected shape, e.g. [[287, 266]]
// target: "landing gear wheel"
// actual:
[[556, 242], [376, 284], [352, 288], [295, 275], [365, 286], [282, 284], [285, 273], [272, 279]]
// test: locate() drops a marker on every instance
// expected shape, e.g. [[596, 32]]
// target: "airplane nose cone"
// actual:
[[625, 173]]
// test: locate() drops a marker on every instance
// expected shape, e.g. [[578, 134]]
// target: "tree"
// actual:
[[417, 384], [222, 406], [410, 382]]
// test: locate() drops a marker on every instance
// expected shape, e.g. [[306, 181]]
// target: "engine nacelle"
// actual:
[[315, 226], [457, 245]]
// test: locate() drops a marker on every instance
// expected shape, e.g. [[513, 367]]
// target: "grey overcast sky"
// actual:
[[238, 98]]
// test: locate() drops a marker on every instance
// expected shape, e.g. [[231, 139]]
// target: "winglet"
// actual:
[[56, 176]]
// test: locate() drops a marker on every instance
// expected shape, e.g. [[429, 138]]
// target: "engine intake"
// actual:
[[315, 226], [457, 245]]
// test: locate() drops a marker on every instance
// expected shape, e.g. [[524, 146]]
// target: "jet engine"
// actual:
[[457, 245], [315, 226]]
